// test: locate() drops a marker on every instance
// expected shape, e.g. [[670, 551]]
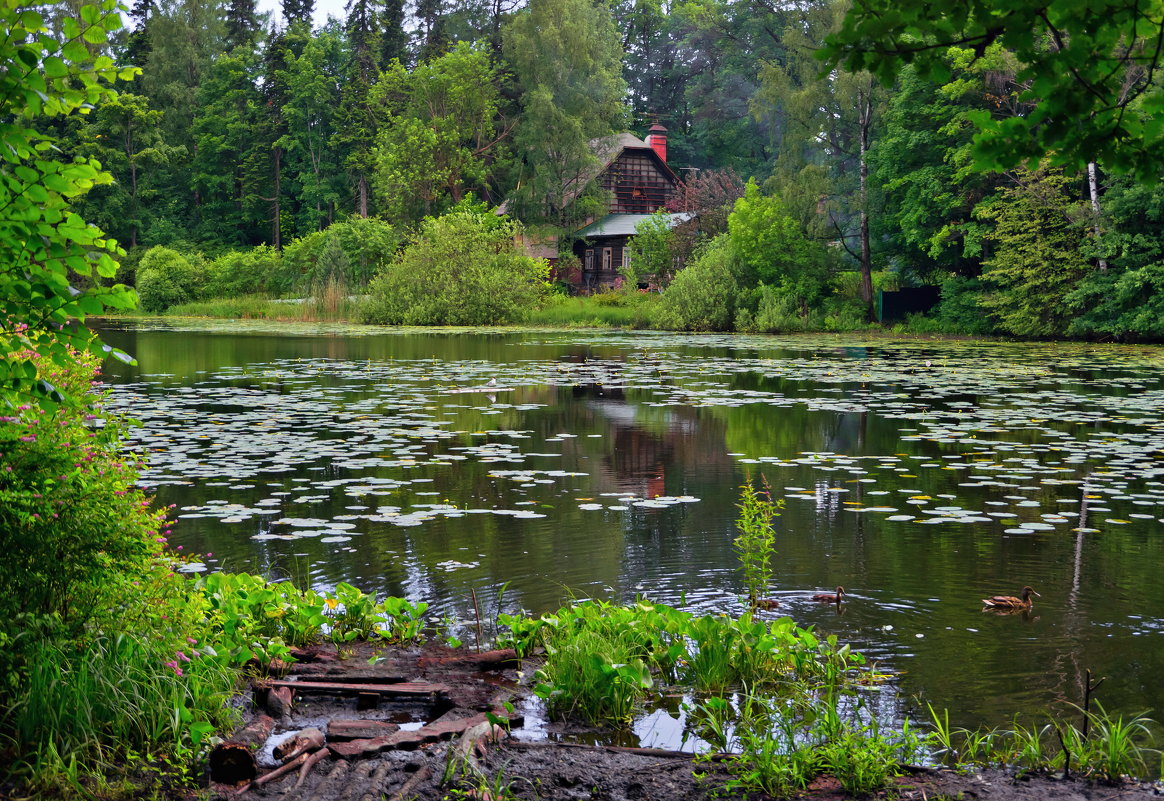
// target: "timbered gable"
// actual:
[[638, 182]]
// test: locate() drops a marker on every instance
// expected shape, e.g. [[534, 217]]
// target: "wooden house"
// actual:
[[634, 174]]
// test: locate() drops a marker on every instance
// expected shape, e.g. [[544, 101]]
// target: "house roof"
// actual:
[[625, 224], [606, 149]]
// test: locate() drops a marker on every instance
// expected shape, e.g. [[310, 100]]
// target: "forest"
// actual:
[[1011, 160]]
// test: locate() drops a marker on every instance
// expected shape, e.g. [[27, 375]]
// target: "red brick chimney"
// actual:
[[657, 139]]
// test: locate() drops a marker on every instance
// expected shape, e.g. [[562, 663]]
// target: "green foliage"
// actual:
[[70, 515], [104, 652], [1127, 304], [652, 254], [767, 241], [166, 277], [310, 79], [922, 162], [777, 311], [44, 246], [228, 165], [1083, 66], [702, 296], [461, 269], [367, 244], [252, 618], [771, 251], [1124, 301], [1036, 259], [441, 143], [247, 272], [601, 659], [756, 543]]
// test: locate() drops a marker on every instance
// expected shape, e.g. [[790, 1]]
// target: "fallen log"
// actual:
[[301, 742], [489, 660], [233, 760]]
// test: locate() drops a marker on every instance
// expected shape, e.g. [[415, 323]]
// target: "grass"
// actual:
[[777, 744], [330, 302], [603, 310], [247, 307], [1105, 747]]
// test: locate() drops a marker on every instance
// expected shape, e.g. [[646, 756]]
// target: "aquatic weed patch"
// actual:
[[601, 659]]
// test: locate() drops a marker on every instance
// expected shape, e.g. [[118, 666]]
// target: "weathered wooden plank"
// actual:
[[406, 689]]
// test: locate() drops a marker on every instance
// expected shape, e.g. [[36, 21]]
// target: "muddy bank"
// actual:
[[420, 724]]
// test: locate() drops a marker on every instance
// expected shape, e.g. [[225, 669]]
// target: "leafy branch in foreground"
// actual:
[[1091, 70], [44, 247]]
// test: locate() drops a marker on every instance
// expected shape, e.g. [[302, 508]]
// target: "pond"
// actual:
[[534, 467]]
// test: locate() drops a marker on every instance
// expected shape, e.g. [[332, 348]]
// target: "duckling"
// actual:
[[830, 598]]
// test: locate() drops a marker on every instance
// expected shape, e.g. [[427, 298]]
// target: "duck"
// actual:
[[767, 603], [829, 597], [1010, 602]]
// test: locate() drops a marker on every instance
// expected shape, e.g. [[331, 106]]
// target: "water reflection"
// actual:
[[607, 465]]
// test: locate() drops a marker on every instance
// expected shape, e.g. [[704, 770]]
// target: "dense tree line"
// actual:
[[1011, 162]]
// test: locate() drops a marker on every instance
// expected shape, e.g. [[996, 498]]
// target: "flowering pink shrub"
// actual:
[[71, 520]]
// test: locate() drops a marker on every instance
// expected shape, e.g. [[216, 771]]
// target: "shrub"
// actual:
[[652, 251], [101, 644], [366, 242], [462, 269], [247, 272], [959, 311], [69, 511], [777, 311], [1127, 304], [166, 277], [702, 296]]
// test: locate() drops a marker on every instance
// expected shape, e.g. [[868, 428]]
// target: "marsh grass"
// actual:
[[604, 310], [330, 301], [1103, 746], [247, 307], [778, 743]]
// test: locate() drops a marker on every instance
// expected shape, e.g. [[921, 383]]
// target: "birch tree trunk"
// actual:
[[1093, 186]]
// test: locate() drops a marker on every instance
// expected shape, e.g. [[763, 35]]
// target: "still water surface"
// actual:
[[534, 467]]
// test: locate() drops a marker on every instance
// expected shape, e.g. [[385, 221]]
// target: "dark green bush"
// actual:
[[702, 295], [166, 278], [69, 511], [1126, 304], [247, 272], [367, 243], [462, 269]]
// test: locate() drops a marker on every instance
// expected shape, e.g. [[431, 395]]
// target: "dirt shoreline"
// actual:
[[383, 746]]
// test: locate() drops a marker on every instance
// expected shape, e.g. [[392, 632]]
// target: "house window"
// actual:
[[607, 259], [625, 258], [589, 258]]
